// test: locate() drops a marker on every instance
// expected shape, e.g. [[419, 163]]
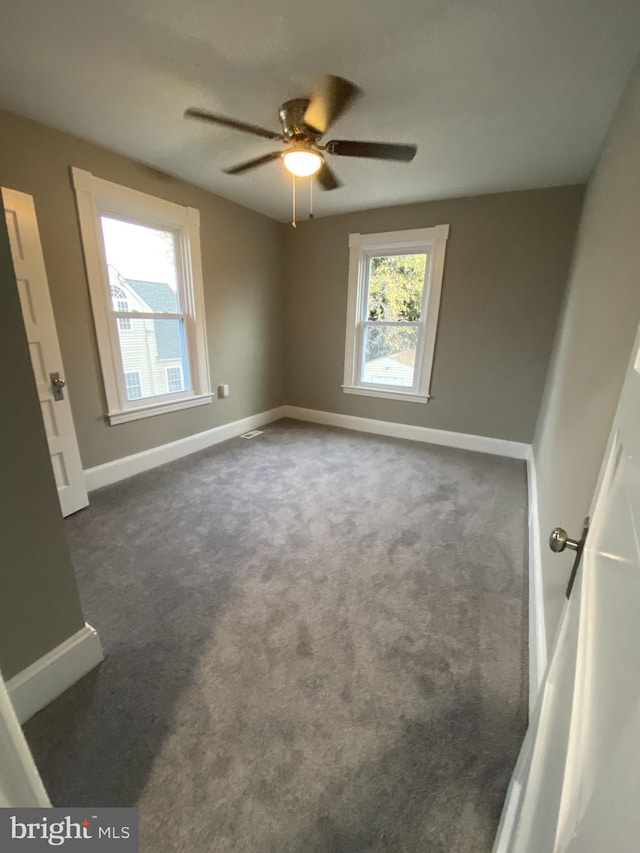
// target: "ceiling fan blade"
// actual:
[[335, 95], [327, 178], [203, 115], [376, 150], [252, 164]]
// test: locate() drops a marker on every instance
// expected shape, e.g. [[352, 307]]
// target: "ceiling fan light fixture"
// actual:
[[302, 162]]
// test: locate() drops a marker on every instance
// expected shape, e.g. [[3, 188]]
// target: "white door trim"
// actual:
[[537, 630]]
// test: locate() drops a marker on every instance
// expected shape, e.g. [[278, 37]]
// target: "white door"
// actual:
[[20, 782], [576, 786], [40, 326]]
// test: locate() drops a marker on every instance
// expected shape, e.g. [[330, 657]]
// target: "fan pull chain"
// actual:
[[293, 219], [311, 197]]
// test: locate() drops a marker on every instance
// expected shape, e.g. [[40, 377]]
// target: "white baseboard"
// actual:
[[47, 678], [537, 632], [445, 438], [127, 466]]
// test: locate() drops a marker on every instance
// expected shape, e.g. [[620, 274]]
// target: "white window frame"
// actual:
[[363, 247], [177, 367], [97, 197]]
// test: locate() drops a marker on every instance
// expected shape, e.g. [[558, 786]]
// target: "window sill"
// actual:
[[407, 396], [157, 409]]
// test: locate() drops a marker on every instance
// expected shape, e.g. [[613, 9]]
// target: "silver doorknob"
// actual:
[[558, 541], [57, 384]]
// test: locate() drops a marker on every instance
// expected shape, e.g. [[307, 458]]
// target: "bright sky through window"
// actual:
[[139, 252]]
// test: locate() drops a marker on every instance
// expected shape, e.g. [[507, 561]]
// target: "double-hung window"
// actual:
[[143, 263], [395, 279]]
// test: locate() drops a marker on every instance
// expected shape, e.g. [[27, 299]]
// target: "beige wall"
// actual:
[[242, 267], [598, 327], [39, 605], [505, 272]]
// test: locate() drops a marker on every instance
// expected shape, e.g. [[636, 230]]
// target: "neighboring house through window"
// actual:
[[395, 279], [174, 379], [121, 304], [133, 383], [145, 278]]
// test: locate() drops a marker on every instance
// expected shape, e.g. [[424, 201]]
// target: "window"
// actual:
[[174, 379], [121, 304], [133, 384], [145, 279], [395, 280]]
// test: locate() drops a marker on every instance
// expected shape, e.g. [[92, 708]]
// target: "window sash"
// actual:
[[365, 259], [401, 324], [185, 318], [365, 262], [185, 369], [105, 209], [392, 324], [148, 315]]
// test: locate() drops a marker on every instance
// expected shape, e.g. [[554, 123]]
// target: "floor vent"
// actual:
[[252, 433]]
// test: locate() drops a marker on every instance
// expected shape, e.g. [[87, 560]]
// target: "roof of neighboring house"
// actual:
[[161, 299], [407, 356], [158, 295]]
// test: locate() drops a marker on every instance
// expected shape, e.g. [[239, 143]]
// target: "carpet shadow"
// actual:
[[410, 799], [96, 744]]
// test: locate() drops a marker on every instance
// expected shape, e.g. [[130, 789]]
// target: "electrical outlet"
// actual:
[[223, 390]]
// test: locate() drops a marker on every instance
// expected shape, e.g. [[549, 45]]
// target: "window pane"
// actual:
[[389, 355], [156, 350], [396, 284], [142, 267]]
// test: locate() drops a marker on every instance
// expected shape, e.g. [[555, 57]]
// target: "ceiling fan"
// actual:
[[304, 122]]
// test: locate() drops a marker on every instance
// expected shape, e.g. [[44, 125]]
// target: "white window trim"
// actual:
[[95, 197], [433, 241]]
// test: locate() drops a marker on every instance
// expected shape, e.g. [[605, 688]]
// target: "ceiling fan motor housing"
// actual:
[[292, 119]]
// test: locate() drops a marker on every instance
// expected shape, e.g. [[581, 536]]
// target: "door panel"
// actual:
[[44, 349], [577, 783]]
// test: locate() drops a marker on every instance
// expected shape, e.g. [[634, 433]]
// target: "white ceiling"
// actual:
[[498, 94]]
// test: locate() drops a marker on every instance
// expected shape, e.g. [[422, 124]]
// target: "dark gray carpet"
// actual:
[[315, 641]]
